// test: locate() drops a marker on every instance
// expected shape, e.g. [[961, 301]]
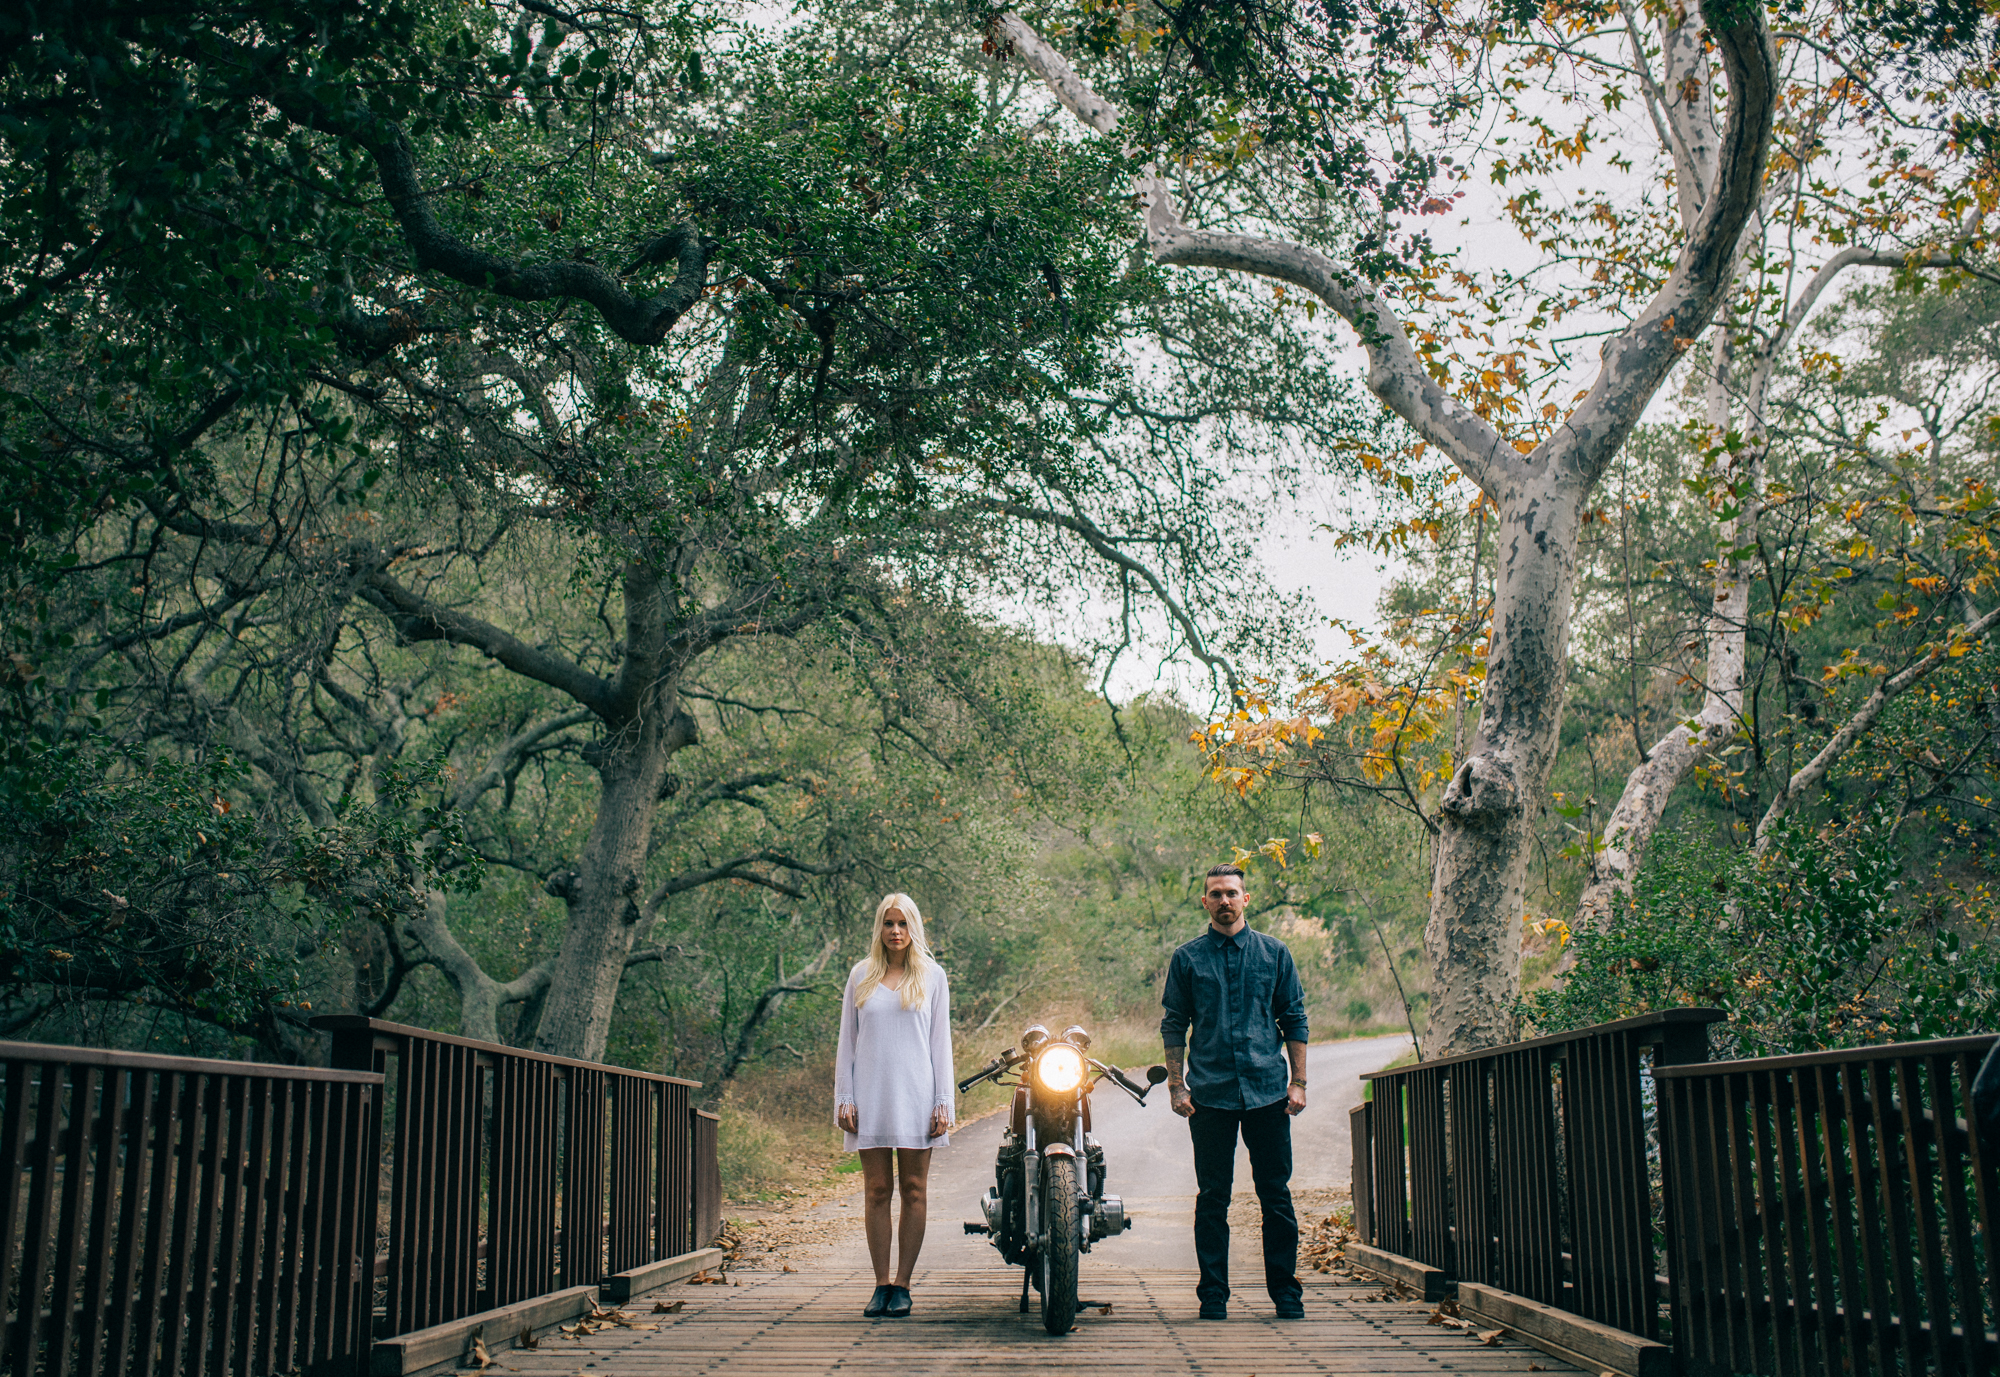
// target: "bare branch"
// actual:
[[1106, 547], [511, 750], [1637, 359], [768, 1004], [1809, 776], [637, 320], [417, 618], [742, 868], [1395, 374]]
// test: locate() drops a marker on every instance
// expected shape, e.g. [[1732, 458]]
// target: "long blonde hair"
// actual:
[[915, 963]]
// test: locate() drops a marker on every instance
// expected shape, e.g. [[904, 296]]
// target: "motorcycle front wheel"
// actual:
[[1059, 1246]]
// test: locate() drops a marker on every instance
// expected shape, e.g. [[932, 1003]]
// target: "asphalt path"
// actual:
[[1148, 1161]]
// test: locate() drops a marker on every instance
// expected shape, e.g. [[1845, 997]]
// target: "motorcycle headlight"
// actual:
[[1060, 1069]]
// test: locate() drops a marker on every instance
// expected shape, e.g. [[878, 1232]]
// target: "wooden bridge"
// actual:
[[1608, 1200]]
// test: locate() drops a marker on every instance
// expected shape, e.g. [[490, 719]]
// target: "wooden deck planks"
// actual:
[[808, 1324]]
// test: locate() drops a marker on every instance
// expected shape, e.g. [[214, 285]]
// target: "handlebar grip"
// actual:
[[1125, 1080], [991, 1069]]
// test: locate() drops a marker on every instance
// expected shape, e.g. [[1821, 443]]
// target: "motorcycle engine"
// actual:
[[1109, 1218], [991, 1206]]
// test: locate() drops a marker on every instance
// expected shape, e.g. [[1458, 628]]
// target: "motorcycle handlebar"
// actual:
[[1125, 1081], [1003, 1062]]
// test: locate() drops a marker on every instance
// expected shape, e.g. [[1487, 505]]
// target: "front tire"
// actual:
[[1059, 1246]]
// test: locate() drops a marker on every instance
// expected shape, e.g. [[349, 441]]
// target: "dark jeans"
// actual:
[[1267, 1134]]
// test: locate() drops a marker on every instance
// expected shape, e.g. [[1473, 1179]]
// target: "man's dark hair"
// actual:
[[1227, 869]]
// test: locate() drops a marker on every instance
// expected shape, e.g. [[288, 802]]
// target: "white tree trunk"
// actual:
[[1473, 933], [1487, 813], [1629, 828]]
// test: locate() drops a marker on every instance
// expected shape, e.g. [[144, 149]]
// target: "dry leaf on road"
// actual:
[[664, 1308], [1490, 1337]]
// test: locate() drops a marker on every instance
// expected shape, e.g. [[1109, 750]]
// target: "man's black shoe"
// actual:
[[877, 1303], [1214, 1310], [1291, 1311], [899, 1302]]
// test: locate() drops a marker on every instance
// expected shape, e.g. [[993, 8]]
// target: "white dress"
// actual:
[[894, 1065]]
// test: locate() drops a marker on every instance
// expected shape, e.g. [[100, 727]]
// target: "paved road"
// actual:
[[1148, 1162]]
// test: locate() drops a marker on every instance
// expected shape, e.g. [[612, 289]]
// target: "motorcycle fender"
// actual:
[[1059, 1150]]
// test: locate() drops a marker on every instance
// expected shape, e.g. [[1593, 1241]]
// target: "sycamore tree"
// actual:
[[1322, 96], [1772, 154], [1881, 160]]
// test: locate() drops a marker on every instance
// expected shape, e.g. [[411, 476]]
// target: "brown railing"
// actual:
[[512, 1174], [1527, 1167], [167, 1215], [1832, 1213], [707, 1179]]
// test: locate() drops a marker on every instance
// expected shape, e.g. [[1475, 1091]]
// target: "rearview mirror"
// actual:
[[1155, 1074]]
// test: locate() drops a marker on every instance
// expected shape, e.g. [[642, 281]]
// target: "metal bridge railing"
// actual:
[[1833, 1213], [1526, 1167], [511, 1174], [168, 1215]]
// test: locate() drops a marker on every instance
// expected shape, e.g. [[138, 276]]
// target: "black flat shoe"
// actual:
[[878, 1302], [899, 1302], [1214, 1310]]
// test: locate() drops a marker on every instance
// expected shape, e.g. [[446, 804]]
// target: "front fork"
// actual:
[[1031, 1181]]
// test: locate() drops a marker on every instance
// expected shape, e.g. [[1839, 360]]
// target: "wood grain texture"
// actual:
[[965, 1321]]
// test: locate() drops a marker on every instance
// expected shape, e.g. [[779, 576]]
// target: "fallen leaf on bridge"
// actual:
[[479, 1354], [1490, 1337], [527, 1339], [1106, 1310], [663, 1308], [1536, 1367], [790, 1268]]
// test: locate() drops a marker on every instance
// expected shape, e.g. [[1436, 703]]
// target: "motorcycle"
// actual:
[[1047, 1203]]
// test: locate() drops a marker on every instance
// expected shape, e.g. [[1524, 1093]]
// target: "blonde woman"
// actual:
[[892, 1086]]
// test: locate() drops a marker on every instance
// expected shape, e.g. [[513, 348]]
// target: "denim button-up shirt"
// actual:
[[1242, 996]]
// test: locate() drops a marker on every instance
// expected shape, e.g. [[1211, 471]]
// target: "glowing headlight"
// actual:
[[1060, 1069]]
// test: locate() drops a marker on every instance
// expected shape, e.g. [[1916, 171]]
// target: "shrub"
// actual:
[[1813, 944]]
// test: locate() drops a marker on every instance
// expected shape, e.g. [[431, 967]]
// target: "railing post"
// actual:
[[148, 1204], [1526, 1167], [1363, 1179], [707, 1210]]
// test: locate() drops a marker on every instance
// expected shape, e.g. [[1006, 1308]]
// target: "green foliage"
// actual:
[[140, 879], [946, 287], [1806, 947], [274, 482], [1215, 81]]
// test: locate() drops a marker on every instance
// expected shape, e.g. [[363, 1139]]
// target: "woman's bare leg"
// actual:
[[878, 1187], [913, 1174]]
